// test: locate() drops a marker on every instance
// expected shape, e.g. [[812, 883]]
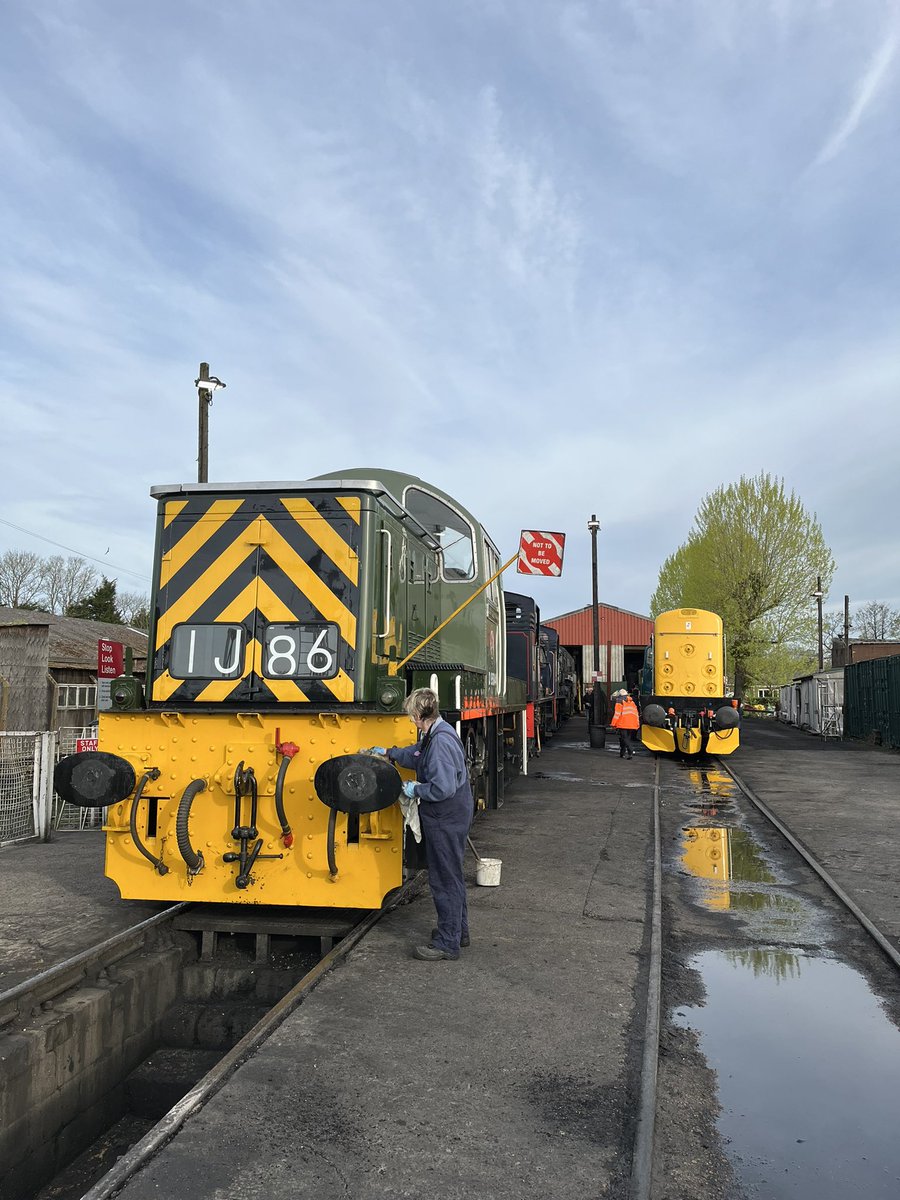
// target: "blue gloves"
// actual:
[[376, 750], [409, 789]]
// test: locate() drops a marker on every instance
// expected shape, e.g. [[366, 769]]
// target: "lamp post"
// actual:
[[205, 384], [597, 729], [817, 596]]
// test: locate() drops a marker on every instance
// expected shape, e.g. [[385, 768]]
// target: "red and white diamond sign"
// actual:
[[540, 553]]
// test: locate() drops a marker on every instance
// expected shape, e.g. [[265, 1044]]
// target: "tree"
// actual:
[[20, 578], [877, 622], [752, 556], [100, 605], [66, 581], [135, 609]]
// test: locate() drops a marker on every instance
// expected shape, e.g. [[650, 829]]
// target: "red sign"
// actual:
[[110, 659], [540, 553], [82, 744]]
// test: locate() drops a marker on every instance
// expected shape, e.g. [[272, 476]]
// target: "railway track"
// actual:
[[738, 816], [32, 1006]]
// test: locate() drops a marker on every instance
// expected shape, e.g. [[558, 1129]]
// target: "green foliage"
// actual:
[[100, 605], [752, 556]]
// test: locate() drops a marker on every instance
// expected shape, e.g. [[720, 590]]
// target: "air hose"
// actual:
[[193, 858], [286, 835], [332, 861], [158, 863]]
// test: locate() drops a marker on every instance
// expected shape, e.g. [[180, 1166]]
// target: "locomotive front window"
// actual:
[[207, 652], [449, 528], [300, 651]]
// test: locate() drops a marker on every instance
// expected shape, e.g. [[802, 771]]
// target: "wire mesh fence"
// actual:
[[20, 757]]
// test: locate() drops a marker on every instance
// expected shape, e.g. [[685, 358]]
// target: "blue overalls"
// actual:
[[445, 811]]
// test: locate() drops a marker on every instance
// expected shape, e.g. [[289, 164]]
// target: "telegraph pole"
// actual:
[[597, 728], [818, 595], [594, 527], [205, 398], [205, 384]]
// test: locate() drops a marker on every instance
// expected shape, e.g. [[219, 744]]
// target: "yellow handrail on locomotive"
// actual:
[[393, 668]]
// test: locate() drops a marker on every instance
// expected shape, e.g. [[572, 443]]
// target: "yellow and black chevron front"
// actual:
[[257, 600]]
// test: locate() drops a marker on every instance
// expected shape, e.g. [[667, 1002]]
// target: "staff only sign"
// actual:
[[540, 553]]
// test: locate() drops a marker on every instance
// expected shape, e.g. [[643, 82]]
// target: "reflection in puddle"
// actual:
[[719, 852], [809, 1072], [727, 860], [557, 775]]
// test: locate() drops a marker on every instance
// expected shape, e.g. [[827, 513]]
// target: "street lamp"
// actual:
[[205, 384], [597, 728], [818, 595]]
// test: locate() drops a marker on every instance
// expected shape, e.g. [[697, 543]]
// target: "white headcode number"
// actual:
[[320, 660], [301, 651], [276, 655], [207, 652]]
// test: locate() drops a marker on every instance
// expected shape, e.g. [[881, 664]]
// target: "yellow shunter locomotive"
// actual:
[[684, 709], [290, 621]]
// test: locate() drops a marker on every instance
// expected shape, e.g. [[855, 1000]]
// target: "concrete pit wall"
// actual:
[[62, 1070]]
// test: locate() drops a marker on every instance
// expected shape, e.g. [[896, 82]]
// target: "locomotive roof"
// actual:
[[393, 484]]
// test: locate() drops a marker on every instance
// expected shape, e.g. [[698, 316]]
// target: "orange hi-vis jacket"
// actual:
[[626, 715]]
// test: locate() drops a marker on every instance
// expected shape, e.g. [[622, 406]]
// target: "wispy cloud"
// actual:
[[867, 90]]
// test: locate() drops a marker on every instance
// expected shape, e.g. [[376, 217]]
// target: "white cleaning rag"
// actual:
[[410, 809]]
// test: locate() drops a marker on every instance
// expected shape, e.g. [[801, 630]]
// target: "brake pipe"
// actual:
[[158, 863]]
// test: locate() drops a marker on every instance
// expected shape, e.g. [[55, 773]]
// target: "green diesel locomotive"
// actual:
[[290, 621]]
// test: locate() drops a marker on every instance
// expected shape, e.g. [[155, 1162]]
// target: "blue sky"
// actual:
[[557, 258]]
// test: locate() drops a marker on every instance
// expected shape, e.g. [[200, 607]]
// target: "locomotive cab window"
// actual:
[[207, 652], [449, 528], [300, 651]]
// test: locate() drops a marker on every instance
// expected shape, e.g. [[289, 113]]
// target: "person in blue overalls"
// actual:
[[445, 810]]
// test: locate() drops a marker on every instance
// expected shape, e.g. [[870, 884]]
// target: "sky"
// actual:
[[557, 258]]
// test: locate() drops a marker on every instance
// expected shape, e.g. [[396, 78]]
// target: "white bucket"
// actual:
[[487, 872]]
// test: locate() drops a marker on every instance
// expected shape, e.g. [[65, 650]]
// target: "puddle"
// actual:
[[733, 875], [809, 1073], [721, 853], [557, 775]]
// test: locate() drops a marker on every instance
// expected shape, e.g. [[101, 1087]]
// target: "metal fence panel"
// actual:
[[872, 700], [26, 783]]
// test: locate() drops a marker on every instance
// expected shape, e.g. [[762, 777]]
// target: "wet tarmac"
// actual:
[[808, 1062], [808, 1067]]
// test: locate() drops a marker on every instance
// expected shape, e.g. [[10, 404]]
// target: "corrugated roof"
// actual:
[[73, 641], [617, 625]]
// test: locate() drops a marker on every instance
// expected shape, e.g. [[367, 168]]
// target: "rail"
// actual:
[[870, 927], [642, 1156], [30, 994], [140, 1154]]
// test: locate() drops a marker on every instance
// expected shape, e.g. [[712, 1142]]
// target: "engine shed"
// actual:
[[624, 636]]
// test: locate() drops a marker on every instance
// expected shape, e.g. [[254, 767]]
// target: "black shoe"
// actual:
[[463, 941], [433, 954], [631, 755]]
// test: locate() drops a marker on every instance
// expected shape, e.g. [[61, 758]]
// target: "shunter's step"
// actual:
[[328, 925]]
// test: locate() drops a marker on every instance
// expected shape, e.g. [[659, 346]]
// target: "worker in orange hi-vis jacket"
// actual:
[[627, 720]]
